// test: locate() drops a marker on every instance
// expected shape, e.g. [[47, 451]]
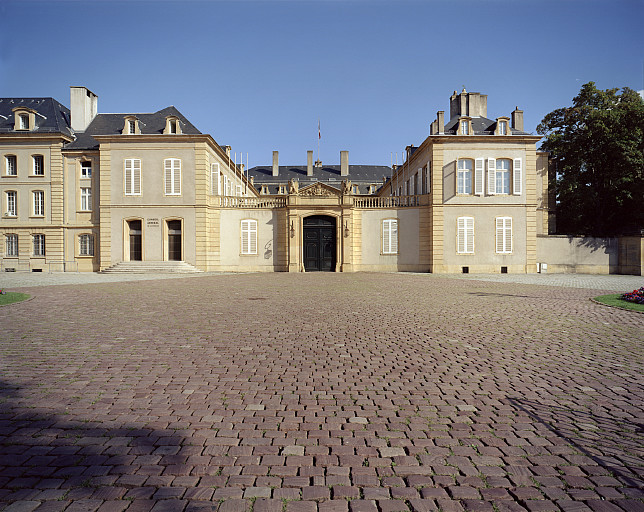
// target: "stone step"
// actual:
[[152, 267]]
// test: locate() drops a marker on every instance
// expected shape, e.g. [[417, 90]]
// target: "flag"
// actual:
[[319, 133]]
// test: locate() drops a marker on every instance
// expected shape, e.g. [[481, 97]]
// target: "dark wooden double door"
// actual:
[[319, 243]]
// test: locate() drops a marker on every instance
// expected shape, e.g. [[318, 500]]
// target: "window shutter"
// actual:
[[176, 175], [136, 172], [214, 179], [168, 176], [252, 228], [386, 239], [469, 234], [478, 176], [244, 237], [491, 176], [128, 177], [507, 235], [499, 234], [460, 235], [504, 234], [517, 175], [394, 236]]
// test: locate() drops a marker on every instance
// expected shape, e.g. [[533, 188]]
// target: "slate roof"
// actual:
[[360, 175], [480, 126], [51, 117], [112, 124]]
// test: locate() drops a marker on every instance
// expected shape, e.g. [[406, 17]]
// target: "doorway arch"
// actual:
[[319, 243]]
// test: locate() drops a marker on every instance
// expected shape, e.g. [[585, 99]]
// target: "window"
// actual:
[[86, 245], [491, 176], [249, 237], [503, 176], [517, 168], [214, 179], [24, 121], [12, 246], [132, 177], [465, 235], [39, 203], [503, 128], [11, 163], [86, 199], [131, 125], [172, 176], [478, 176], [465, 128], [504, 235], [12, 199], [464, 177], [390, 236], [86, 169], [39, 165], [173, 126], [39, 245]]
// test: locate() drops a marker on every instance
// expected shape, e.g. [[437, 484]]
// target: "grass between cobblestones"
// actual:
[[613, 299], [12, 297]]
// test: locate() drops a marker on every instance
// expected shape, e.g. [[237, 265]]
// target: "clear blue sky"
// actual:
[[257, 75]]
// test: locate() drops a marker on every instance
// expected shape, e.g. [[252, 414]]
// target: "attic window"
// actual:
[[23, 121], [172, 125], [131, 126], [464, 126], [503, 128]]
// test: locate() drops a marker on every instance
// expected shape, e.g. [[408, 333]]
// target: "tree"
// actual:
[[597, 146]]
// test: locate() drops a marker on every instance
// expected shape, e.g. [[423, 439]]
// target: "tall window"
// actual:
[[86, 199], [172, 176], [504, 235], [214, 179], [86, 243], [11, 164], [249, 236], [390, 236], [39, 245], [465, 235], [12, 200], [12, 246], [464, 177], [39, 165], [24, 121], [132, 177], [503, 166], [86, 169], [39, 203], [131, 126], [503, 128], [465, 128]]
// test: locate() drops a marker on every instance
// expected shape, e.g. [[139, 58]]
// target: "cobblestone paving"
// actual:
[[320, 393]]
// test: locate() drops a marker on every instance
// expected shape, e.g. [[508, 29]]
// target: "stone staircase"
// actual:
[[152, 267]]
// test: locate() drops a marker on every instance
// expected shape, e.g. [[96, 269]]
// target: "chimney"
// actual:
[[344, 163], [276, 165], [84, 107], [227, 150], [309, 163], [517, 119], [440, 117]]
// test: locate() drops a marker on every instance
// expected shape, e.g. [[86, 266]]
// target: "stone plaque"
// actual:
[[153, 223]]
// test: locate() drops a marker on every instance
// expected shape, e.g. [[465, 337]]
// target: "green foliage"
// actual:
[[11, 297], [598, 148]]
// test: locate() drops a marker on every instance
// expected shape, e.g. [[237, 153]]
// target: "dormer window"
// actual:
[[25, 119], [502, 126], [464, 126], [131, 126], [172, 125]]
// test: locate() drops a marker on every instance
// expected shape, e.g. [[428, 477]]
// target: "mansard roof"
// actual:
[[51, 116], [112, 124], [480, 126]]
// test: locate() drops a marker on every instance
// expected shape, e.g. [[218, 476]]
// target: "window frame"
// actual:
[[131, 181], [23, 122], [38, 203], [38, 165], [11, 203], [503, 227], [11, 164], [461, 188], [215, 178], [86, 245], [11, 248], [173, 181], [248, 229], [85, 199], [465, 234], [84, 166], [389, 245], [503, 186], [39, 245]]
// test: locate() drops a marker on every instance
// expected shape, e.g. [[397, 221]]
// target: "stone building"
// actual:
[[84, 191]]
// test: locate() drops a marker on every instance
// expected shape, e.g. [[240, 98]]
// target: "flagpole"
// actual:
[[319, 137]]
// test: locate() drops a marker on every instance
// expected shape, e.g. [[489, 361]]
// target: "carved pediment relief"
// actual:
[[319, 189]]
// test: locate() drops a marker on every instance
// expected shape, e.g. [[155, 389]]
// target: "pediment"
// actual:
[[319, 189]]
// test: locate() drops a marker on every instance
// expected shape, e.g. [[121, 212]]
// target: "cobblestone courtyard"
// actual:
[[320, 392]]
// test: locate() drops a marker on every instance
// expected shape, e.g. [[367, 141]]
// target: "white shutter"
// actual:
[[136, 181], [168, 177], [394, 236], [469, 234], [465, 235], [507, 235], [478, 176], [389, 236], [460, 235], [386, 239], [225, 185], [244, 237], [214, 179], [176, 176], [517, 175], [253, 236], [249, 237], [504, 235], [429, 178], [128, 177], [499, 234], [491, 176]]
